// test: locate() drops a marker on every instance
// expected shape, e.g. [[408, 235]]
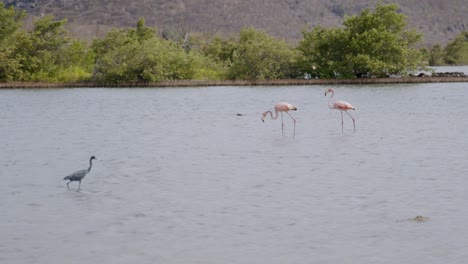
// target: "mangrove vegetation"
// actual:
[[374, 43]]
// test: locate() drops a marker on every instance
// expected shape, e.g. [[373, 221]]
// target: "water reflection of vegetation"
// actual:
[[373, 43]]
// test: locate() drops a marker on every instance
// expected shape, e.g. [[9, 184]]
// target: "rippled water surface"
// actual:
[[182, 178]]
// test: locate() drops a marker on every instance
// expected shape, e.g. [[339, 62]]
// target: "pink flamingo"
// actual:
[[281, 107], [342, 106]]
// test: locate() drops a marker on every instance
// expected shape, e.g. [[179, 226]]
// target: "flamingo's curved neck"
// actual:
[[90, 164], [330, 105], [271, 115]]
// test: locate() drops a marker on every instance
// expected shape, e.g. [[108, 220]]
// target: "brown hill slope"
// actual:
[[439, 20]]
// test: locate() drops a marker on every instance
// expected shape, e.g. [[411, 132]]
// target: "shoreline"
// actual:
[[195, 83]]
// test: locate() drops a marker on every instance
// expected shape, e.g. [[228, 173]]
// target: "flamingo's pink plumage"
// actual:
[[343, 106], [281, 107]]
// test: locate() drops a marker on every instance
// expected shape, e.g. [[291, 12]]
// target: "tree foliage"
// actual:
[[374, 43], [42, 50], [45, 53], [436, 56], [10, 23], [260, 56], [252, 55], [456, 51], [219, 49], [140, 56]]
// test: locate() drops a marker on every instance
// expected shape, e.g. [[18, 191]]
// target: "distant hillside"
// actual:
[[438, 20]]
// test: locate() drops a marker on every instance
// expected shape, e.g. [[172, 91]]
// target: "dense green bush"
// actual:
[[140, 56], [372, 43], [10, 23], [436, 56], [456, 51], [259, 56], [45, 53], [48, 52]]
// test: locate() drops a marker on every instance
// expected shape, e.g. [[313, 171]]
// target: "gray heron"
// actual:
[[79, 175]]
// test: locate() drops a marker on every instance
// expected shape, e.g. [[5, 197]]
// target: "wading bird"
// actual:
[[79, 175], [281, 107], [342, 106]]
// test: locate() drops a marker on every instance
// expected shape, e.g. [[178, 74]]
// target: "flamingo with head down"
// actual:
[[343, 106], [281, 107]]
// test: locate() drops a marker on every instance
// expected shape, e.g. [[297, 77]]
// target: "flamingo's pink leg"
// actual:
[[342, 130], [294, 123], [354, 121], [282, 124]]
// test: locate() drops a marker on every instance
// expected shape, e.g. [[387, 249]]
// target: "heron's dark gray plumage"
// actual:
[[79, 175]]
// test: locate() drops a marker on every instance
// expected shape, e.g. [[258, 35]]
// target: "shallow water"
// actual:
[[181, 178]]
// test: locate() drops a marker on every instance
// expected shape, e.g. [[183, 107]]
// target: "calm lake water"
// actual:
[[181, 178]]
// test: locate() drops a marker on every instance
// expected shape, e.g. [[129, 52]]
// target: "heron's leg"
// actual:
[[354, 121], [68, 186], [294, 123], [79, 186]]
